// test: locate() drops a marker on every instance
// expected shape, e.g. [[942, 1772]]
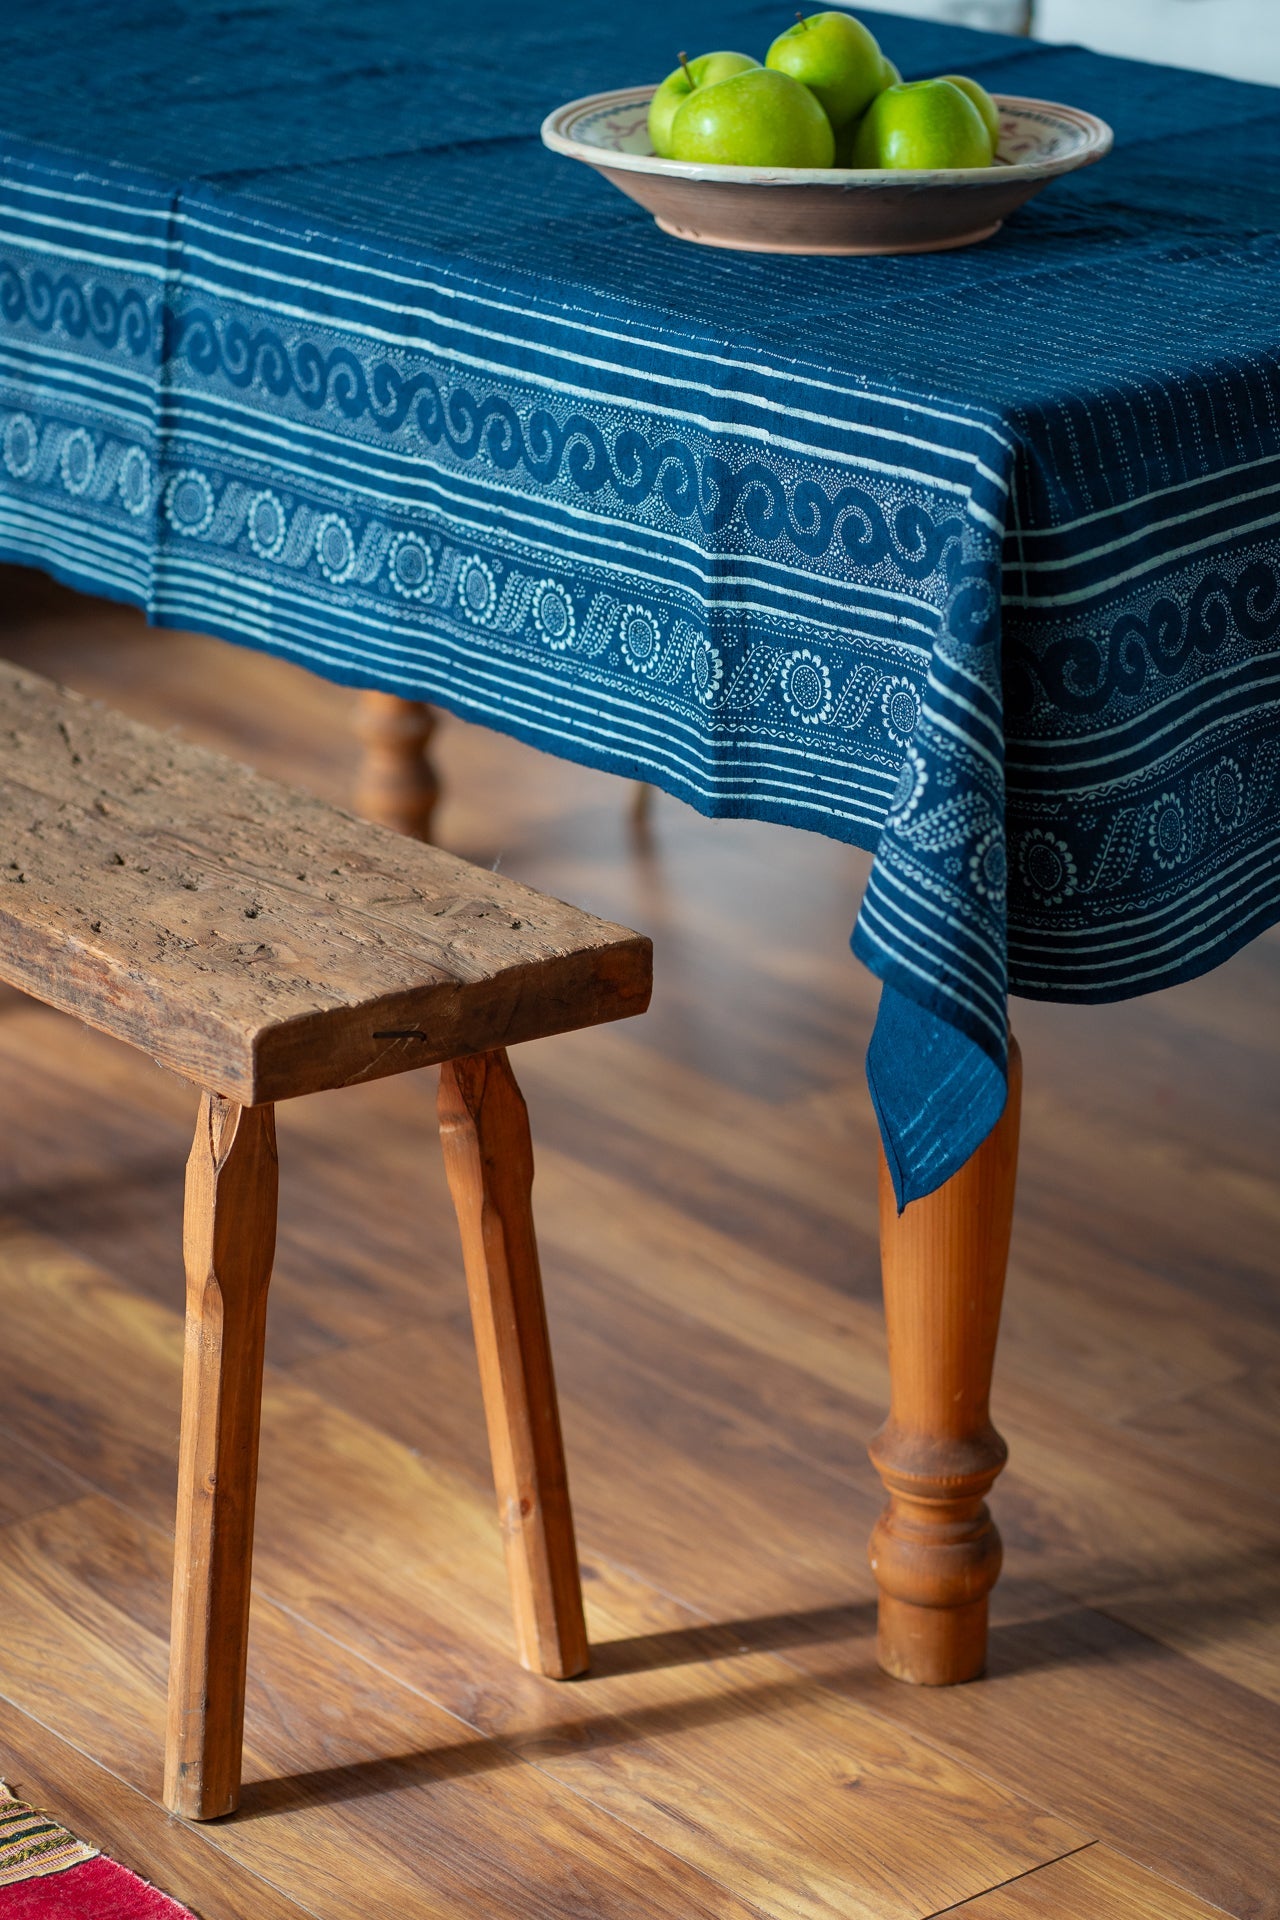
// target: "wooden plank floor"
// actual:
[[706, 1200]]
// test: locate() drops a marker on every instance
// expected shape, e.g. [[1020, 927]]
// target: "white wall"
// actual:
[[1236, 37], [997, 16]]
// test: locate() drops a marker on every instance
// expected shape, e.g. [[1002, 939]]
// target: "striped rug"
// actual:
[[47, 1874]]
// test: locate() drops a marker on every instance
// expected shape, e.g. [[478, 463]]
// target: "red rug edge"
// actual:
[[98, 1889]]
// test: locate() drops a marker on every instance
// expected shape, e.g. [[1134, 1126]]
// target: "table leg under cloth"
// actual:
[[935, 1550], [396, 785]]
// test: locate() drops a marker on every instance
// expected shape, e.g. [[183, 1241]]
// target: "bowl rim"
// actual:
[[1098, 141]]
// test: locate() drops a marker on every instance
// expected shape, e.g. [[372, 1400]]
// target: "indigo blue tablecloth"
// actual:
[[972, 559]]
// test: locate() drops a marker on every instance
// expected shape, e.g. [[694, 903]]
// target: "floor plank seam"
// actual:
[[958, 1906]]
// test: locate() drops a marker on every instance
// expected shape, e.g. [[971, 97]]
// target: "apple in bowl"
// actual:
[[759, 118], [837, 58], [705, 71], [924, 125]]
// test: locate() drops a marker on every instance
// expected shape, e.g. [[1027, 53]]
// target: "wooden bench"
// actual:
[[265, 945]]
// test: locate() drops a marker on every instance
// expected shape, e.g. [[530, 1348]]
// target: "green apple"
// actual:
[[982, 101], [836, 57], [676, 88], [754, 119], [848, 134], [923, 124]]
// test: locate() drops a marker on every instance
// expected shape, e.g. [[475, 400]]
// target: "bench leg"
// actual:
[[485, 1131], [935, 1549], [229, 1234], [396, 785]]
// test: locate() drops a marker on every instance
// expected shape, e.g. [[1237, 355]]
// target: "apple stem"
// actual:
[[683, 58], [803, 22]]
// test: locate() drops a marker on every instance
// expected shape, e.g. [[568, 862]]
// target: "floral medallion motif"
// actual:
[[267, 524], [1167, 831], [900, 706], [134, 482], [21, 445], [77, 460], [410, 566], [1047, 866], [706, 670], [1227, 786], [913, 778], [188, 501], [477, 591], [335, 549], [989, 866], [806, 687], [553, 615], [641, 639]]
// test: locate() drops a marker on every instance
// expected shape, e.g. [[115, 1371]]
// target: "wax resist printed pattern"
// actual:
[[1136, 829], [407, 595], [776, 588], [1162, 837], [748, 622]]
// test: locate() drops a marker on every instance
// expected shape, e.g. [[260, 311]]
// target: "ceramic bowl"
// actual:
[[830, 209]]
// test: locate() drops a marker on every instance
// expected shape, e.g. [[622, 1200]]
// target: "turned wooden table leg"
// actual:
[[484, 1127], [935, 1550], [229, 1234], [397, 785]]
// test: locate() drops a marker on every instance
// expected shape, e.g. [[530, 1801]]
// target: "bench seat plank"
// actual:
[[254, 939]]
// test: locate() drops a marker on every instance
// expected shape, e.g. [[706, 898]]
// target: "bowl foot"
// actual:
[[739, 245]]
